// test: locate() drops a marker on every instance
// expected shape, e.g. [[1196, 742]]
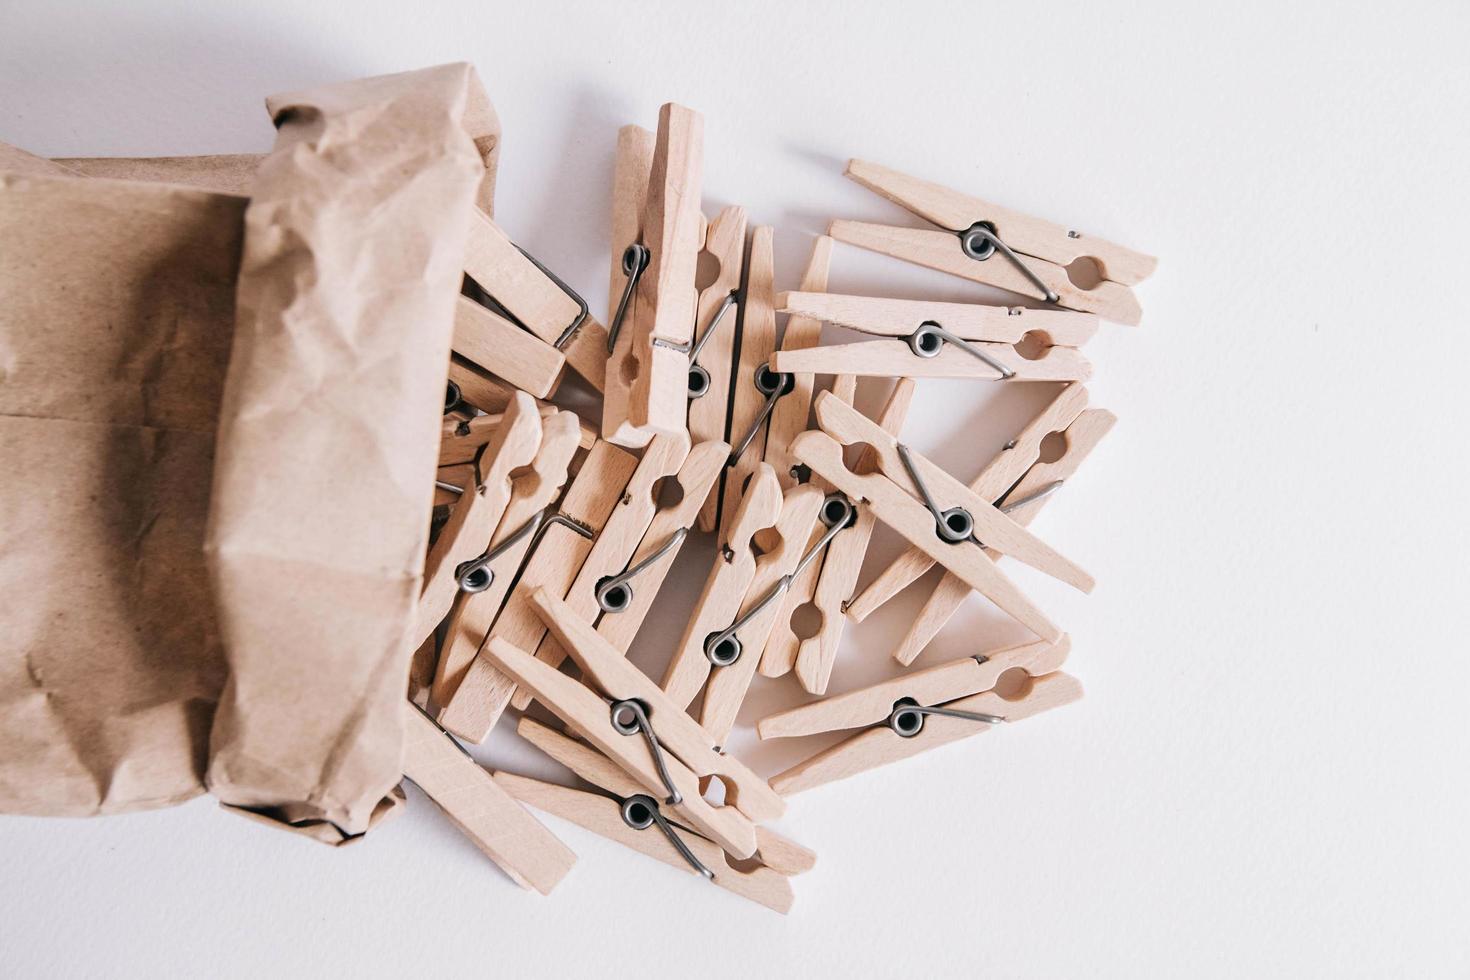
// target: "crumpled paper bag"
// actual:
[[117, 310]]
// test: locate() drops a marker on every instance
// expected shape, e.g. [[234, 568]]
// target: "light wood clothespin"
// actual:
[[723, 660], [460, 440], [629, 811], [608, 576], [933, 511], [465, 538], [756, 388], [942, 340], [789, 417], [924, 709], [650, 332], [500, 347], [711, 359], [1001, 481], [989, 244], [814, 656], [471, 388], [566, 539], [1021, 497], [547, 307], [485, 587], [499, 826], [621, 712]]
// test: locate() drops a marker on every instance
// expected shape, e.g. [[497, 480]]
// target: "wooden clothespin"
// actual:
[[1020, 498], [942, 340], [923, 710], [610, 581], [566, 539], [1021, 482], [629, 811], [756, 388], [721, 648], [534, 298], [989, 244], [711, 359], [624, 714], [502, 348], [789, 417], [933, 511], [650, 331], [465, 538], [813, 656], [499, 826], [485, 586], [461, 439], [471, 388]]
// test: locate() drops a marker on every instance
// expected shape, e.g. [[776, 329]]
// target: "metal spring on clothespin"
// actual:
[[635, 260], [582, 310], [641, 812], [699, 379], [772, 384], [636, 714], [930, 338], [614, 593], [980, 242]]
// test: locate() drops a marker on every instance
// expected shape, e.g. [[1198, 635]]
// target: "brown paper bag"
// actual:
[[116, 305]]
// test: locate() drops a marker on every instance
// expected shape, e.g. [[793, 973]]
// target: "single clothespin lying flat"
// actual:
[[923, 710], [1021, 497], [989, 244], [942, 340], [813, 656], [499, 826], [723, 643], [622, 573], [566, 538], [486, 583], [933, 511], [465, 539], [711, 360], [629, 811], [534, 298], [627, 718], [650, 334], [1017, 479], [756, 388]]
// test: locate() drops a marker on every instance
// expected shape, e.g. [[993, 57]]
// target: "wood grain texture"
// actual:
[[901, 317], [499, 826], [497, 345], [485, 691], [631, 168], [709, 415], [479, 388], [803, 330], [894, 359], [757, 341]]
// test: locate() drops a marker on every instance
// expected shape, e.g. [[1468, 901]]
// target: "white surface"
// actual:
[[1269, 773]]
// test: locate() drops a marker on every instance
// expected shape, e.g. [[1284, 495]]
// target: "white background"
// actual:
[[1269, 774]]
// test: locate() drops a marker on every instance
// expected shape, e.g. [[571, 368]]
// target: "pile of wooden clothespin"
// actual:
[[554, 539]]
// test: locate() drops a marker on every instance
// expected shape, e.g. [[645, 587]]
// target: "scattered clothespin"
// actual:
[[650, 335], [923, 710], [485, 585], [942, 340], [610, 579], [789, 416], [566, 538], [536, 299], [989, 244], [461, 439], [471, 389], [464, 540], [756, 387], [629, 811], [711, 361], [1020, 497], [1000, 476], [723, 660], [814, 656], [499, 346], [933, 511], [499, 826], [621, 712]]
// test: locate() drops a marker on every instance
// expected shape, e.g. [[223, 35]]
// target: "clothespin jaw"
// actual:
[[922, 710], [905, 492], [465, 538], [942, 340], [499, 826], [566, 539], [657, 313], [711, 359], [486, 587], [552, 313], [629, 816], [988, 244]]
